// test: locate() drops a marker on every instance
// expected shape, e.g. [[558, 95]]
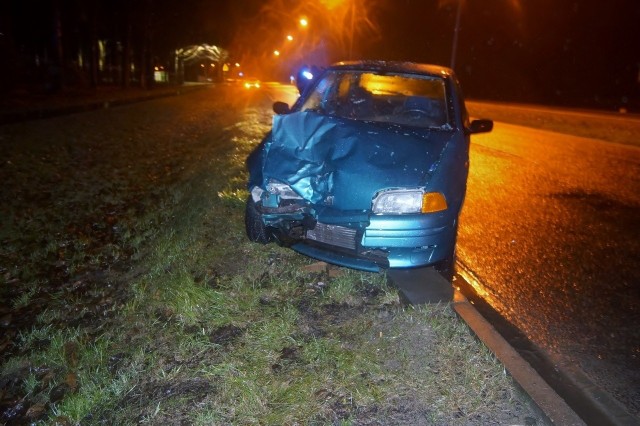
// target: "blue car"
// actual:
[[368, 169]]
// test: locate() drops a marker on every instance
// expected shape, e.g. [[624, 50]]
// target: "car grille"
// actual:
[[333, 235]]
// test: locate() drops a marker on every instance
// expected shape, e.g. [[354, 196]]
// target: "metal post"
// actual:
[[455, 35]]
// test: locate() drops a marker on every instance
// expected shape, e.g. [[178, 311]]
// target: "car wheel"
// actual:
[[256, 231], [447, 266]]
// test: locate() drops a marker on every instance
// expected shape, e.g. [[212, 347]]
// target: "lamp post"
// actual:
[[456, 30]]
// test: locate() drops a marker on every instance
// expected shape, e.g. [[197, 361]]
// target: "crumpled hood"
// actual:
[[343, 163]]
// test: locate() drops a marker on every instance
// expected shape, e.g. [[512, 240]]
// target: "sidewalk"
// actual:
[[19, 107]]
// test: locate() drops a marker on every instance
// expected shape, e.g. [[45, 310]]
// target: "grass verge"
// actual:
[[203, 327]]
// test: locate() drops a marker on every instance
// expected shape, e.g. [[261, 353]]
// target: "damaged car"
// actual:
[[368, 169]]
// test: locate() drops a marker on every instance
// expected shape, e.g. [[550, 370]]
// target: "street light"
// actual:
[[456, 30]]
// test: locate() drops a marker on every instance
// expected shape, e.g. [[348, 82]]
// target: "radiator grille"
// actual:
[[334, 235]]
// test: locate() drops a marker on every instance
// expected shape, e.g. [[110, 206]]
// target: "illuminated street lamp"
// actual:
[[276, 53], [304, 22], [290, 37]]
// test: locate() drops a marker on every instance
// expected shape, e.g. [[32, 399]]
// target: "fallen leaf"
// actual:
[[36, 411], [71, 353], [72, 381], [58, 393]]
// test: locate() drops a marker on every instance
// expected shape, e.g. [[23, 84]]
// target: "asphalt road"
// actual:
[[550, 233]]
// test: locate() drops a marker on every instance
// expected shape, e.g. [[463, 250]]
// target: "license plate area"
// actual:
[[334, 235]]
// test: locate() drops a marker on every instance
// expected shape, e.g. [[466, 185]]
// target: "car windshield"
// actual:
[[404, 99]]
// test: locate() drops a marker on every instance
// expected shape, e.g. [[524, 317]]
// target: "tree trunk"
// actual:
[[8, 72], [146, 55], [93, 50], [56, 70], [126, 53]]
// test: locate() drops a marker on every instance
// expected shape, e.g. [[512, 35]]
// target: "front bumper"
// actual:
[[406, 241]]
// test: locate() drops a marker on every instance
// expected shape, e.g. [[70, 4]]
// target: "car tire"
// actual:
[[447, 266], [256, 231]]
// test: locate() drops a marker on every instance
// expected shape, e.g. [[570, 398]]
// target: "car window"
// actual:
[[404, 99]]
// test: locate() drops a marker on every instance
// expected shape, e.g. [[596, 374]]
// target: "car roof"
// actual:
[[394, 67]]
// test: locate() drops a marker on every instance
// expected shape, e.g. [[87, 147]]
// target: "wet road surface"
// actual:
[[551, 231]]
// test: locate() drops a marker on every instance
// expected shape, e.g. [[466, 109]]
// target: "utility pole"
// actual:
[[456, 30]]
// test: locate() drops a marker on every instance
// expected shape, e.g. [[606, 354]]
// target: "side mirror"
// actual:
[[281, 108], [481, 126]]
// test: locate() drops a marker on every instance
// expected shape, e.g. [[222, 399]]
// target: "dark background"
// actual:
[[556, 52], [583, 52]]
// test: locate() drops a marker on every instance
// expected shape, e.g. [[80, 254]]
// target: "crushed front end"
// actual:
[[368, 170]]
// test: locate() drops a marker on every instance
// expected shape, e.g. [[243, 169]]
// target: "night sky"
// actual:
[[560, 52], [540, 51], [565, 52]]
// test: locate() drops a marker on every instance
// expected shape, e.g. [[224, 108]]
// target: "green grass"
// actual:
[[208, 328]]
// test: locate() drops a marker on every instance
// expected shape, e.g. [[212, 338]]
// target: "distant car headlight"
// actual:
[[407, 201]]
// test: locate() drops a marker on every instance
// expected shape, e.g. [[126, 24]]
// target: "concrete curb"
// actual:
[[550, 404], [568, 382], [602, 407], [426, 285]]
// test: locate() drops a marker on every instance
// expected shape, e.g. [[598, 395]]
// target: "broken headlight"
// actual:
[[282, 190]]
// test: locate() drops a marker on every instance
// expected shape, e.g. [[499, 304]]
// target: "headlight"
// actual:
[[282, 190], [406, 201]]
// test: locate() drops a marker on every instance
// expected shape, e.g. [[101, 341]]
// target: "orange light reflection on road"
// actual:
[[477, 286]]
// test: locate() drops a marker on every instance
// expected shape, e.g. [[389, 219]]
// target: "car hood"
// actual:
[[343, 163]]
